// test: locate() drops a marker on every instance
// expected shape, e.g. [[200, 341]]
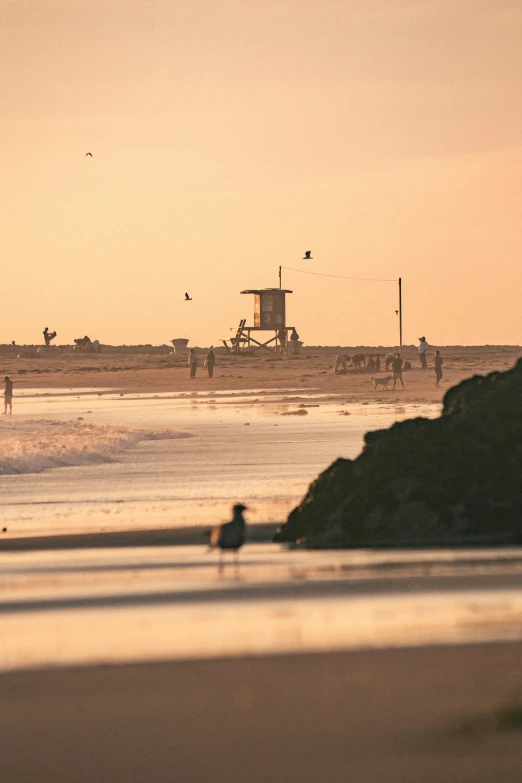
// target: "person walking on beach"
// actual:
[[397, 370], [8, 396], [438, 368], [193, 362], [423, 350], [211, 360]]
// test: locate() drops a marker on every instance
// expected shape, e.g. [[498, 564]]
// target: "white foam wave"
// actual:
[[35, 446]]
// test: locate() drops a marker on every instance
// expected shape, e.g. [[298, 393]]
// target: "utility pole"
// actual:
[[279, 277], [400, 313]]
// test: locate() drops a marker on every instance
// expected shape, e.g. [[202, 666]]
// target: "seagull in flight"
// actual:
[[87, 154], [308, 256], [188, 298]]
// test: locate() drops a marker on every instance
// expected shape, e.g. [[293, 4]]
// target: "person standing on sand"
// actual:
[[48, 336], [438, 368], [211, 360], [397, 370], [423, 350], [8, 396], [294, 339], [193, 362]]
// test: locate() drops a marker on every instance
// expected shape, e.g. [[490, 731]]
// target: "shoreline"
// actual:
[[137, 372]]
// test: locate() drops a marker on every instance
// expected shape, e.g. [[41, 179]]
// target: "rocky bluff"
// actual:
[[456, 479]]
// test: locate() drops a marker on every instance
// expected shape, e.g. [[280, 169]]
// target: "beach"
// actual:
[[385, 716], [157, 369], [124, 651]]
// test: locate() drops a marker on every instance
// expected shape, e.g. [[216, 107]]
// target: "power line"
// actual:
[[342, 277]]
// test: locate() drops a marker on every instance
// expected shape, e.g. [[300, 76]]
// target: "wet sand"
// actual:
[[387, 716], [262, 429]]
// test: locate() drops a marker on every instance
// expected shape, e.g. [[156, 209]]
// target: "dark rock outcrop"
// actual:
[[455, 479]]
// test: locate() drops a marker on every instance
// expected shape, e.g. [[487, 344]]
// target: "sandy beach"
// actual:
[[305, 666], [281, 573], [147, 369], [389, 716]]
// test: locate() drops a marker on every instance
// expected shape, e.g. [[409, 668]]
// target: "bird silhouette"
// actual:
[[308, 256], [230, 536], [188, 298], [396, 312], [88, 154]]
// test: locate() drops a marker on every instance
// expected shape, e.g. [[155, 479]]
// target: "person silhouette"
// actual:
[[397, 370], [8, 396], [438, 368]]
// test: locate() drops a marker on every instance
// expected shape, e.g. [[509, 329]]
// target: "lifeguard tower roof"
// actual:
[[262, 290]]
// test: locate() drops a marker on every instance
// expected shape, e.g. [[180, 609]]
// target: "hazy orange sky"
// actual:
[[229, 137]]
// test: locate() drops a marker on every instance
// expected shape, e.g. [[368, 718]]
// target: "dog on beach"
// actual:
[[380, 381]]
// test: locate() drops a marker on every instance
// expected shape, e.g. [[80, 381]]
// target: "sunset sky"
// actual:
[[228, 137]]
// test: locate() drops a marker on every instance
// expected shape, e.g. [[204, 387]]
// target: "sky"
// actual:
[[229, 137]]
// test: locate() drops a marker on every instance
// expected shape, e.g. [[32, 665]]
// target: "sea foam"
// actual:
[[35, 446]]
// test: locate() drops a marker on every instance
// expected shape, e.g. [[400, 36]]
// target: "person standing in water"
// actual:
[[397, 370], [193, 362], [211, 360], [438, 368], [8, 396]]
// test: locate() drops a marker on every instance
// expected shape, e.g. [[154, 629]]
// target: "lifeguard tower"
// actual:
[[269, 316]]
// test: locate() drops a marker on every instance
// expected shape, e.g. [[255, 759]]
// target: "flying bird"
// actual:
[[230, 536], [188, 298], [308, 256], [87, 154]]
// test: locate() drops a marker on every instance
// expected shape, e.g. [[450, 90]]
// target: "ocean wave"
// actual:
[[35, 446]]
